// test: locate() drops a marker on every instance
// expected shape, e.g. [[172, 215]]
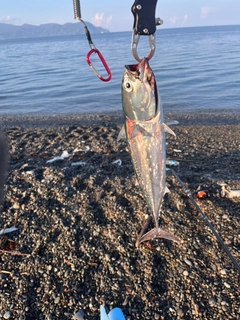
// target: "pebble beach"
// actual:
[[71, 193]]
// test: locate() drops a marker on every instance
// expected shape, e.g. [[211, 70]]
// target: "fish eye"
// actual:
[[128, 86]]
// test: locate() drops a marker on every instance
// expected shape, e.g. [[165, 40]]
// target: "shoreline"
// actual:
[[110, 118], [78, 219]]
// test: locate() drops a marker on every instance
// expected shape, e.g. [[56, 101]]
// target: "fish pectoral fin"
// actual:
[[140, 130], [168, 130], [159, 233], [122, 134], [166, 190]]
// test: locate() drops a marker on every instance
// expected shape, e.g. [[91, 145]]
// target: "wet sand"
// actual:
[[78, 219]]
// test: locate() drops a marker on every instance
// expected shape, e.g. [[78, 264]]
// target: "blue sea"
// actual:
[[197, 69]]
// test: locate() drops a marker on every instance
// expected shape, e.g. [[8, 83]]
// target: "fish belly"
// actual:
[[148, 152]]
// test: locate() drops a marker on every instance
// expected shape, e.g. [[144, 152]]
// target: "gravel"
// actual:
[[78, 224]]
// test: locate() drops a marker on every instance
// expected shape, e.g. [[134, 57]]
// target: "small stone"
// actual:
[[38, 289], [49, 267], [212, 301], [79, 315], [214, 267], [57, 300], [185, 273], [188, 262], [7, 315], [125, 302], [225, 217], [156, 316], [149, 288], [224, 308], [16, 206], [108, 257], [223, 272], [227, 285], [179, 312]]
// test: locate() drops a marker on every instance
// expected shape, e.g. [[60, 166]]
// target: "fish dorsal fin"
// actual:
[[122, 134], [139, 130], [168, 130]]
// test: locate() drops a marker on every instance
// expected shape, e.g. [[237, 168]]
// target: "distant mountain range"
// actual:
[[9, 31]]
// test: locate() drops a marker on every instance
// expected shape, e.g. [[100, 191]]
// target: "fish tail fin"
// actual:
[[158, 233]]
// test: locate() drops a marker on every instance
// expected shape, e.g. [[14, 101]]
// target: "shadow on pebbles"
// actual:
[[78, 216]]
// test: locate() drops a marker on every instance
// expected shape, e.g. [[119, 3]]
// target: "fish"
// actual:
[[3, 163], [144, 129]]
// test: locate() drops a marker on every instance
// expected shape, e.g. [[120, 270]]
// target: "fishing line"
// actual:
[[78, 16], [189, 194]]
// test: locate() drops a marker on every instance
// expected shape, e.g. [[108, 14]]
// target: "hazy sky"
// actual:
[[116, 15]]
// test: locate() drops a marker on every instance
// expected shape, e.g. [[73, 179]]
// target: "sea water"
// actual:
[[197, 69]]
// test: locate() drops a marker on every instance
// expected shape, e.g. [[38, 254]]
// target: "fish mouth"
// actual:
[[141, 71], [141, 77]]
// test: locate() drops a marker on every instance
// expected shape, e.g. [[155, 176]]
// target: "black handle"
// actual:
[[144, 17]]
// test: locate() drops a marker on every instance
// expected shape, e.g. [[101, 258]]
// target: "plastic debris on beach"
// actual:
[[8, 230], [231, 194], [30, 172], [87, 148], [172, 163], [202, 194], [114, 314], [177, 150], [171, 122], [226, 192], [118, 162], [24, 166], [64, 155], [79, 163], [7, 244]]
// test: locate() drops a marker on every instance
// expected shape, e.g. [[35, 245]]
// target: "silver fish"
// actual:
[[145, 132]]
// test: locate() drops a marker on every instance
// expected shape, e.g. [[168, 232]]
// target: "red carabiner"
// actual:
[[103, 62]]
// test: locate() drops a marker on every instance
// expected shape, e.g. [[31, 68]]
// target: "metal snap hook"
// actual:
[[104, 63], [134, 44]]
